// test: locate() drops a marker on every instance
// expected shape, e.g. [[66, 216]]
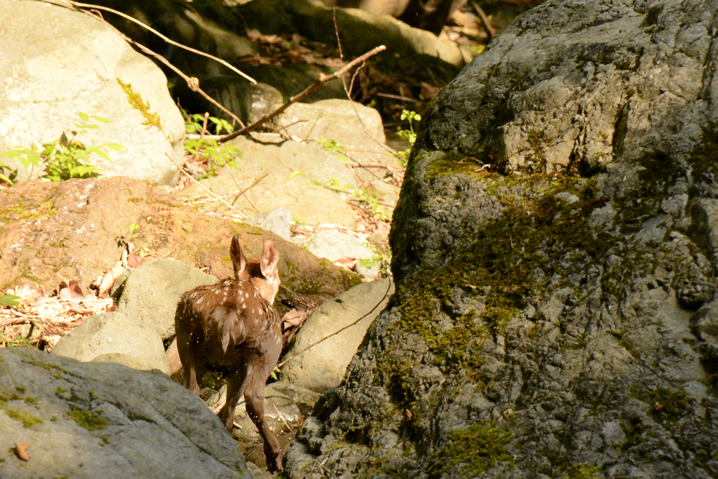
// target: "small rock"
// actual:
[[323, 366], [275, 220], [334, 245], [152, 291], [112, 337]]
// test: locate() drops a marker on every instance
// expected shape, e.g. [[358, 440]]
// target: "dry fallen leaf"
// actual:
[[27, 293], [20, 451], [70, 292], [134, 260], [294, 318]]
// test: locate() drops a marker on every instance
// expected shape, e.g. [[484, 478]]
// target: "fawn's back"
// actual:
[[228, 321]]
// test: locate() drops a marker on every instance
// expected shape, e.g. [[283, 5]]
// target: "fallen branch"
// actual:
[[168, 40], [192, 82], [301, 96], [490, 30]]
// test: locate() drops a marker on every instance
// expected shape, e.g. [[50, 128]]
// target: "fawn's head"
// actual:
[[262, 272]]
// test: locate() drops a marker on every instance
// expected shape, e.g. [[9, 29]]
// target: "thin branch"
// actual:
[[242, 193], [386, 293], [242, 215], [490, 30], [399, 97], [168, 40], [301, 96], [192, 82]]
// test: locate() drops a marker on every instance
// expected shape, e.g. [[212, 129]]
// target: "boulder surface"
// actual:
[[88, 420], [554, 250], [74, 65]]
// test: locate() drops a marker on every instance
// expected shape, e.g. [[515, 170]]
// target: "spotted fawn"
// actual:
[[232, 327]]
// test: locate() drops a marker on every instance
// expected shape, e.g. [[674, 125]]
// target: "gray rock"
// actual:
[[280, 411], [368, 269], [323, 366], [114, 337], [334, 245], [275, 220], [560, 335], [130, 361], [41, 97], [352, 125], [105, 420], [152, 291], [274, 173]]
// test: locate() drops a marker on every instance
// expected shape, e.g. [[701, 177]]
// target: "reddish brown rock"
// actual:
[[51, 232]]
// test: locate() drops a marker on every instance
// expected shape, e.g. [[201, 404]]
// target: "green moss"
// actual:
[[475, 449], [27, 419], [499, 269], [86, 419], [53, 369], [583, 471], [452, 163], [29, 212], [666, 404]]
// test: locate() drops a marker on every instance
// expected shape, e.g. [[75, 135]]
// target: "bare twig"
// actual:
[[399, 97], [163, 37], [490, 30], [192, 82], [281, 418], [242, 193], [386, 293], [336, 32], [242, 215], [301, 96]]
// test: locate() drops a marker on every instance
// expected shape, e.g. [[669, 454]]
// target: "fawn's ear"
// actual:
[[270, 261], [239, 261]]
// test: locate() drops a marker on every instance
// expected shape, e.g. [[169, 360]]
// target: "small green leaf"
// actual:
[[6, 179], [115, 147], [83, 116], [101, 119]]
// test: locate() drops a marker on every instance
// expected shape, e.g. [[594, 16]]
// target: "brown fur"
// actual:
[[232, 327]]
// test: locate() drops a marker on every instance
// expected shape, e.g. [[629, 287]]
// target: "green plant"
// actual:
[[18, 342], [65, 157], [136, 102], [8, 300], [333, 146], [378, 209], [410, 134], [207, 150]]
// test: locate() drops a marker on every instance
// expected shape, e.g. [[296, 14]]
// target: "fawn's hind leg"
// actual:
[[254, 397], [236, 383]]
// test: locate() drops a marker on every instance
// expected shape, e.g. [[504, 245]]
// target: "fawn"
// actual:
[[232, 327]]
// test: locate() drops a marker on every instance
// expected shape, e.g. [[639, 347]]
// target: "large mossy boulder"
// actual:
[[554, 253]]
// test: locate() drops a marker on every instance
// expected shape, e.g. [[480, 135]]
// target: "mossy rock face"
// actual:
[[546, 306], [51, 232]]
